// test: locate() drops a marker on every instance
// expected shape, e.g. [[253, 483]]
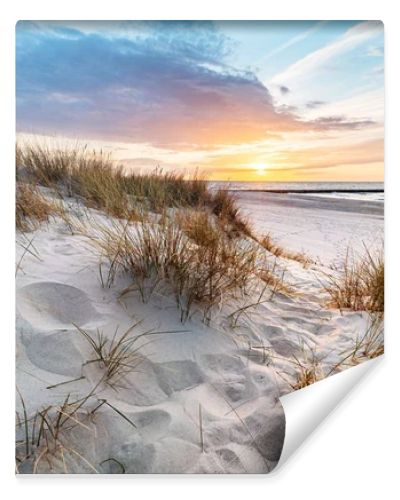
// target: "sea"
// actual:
[[368, 191]]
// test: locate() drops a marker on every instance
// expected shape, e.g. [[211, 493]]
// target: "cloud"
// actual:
[[161, 84], [168, 88], [340, 122], [361, 106], [294, 40], [300, 157], [313, 61], [325, 157], [314, 104], [284, 90]]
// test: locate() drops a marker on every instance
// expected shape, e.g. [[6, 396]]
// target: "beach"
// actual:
[[322, 225], [204, 395]]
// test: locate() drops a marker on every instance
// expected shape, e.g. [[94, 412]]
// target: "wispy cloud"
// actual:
[[294, 40], [314, 104], [367, 105], [308, 64]]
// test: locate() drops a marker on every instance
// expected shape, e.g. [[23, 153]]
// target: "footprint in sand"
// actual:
[[55, 352], [178, 375], [49, 305], [152, 423]]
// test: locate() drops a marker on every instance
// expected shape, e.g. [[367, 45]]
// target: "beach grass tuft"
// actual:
[[117, 356], [49, 439], [44, 437], [31, 207], [359, 284], [371, 344], [271, 246], [175, 255]]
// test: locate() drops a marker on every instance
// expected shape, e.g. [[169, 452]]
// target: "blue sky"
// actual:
[[263, 100]]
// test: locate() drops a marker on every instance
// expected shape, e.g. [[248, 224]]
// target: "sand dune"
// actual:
[[202, 399]]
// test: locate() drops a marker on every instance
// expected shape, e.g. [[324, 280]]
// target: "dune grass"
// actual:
[[306, 367], [309, 371], [77, 172], [102, 183], [45, 437], [360, 284], [48, 440], [199, 245], [31, 207], [224, 206], [370, 345], [269, 244], [199, 226], [185, 256], [117, 357]]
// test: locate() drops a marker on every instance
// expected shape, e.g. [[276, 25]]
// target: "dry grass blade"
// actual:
[[29, 248], [25, 423], [79, 455], [115, 461], [66, 382], [119, 412], [201, 429]]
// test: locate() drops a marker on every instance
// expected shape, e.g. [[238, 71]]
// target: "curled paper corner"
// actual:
[[307, 408]]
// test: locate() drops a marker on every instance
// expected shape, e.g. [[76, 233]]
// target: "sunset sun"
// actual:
[[261, 168]]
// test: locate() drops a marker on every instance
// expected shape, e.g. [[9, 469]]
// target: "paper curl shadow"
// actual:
[[307, 408]]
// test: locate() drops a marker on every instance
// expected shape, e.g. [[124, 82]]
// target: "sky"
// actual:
[[240, 101]]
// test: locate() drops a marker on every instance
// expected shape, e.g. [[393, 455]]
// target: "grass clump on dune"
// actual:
[[360, 285], [371, 344], [31, 207], [75, 172], [117, 356], [44, 438], [224, 206], [199, 226], [103, 184], [308, 374], [54, 439], [186, 257], [160, 190]]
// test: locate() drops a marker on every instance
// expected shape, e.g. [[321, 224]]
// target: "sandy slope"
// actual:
[[232, 376]]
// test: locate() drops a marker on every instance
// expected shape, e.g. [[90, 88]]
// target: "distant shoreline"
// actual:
[[307, 191]]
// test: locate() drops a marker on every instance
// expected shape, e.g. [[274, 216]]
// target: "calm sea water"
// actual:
[[299, 186], [368, 191]]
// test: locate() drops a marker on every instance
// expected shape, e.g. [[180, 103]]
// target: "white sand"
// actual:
[[215, 368], [323, 225]]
